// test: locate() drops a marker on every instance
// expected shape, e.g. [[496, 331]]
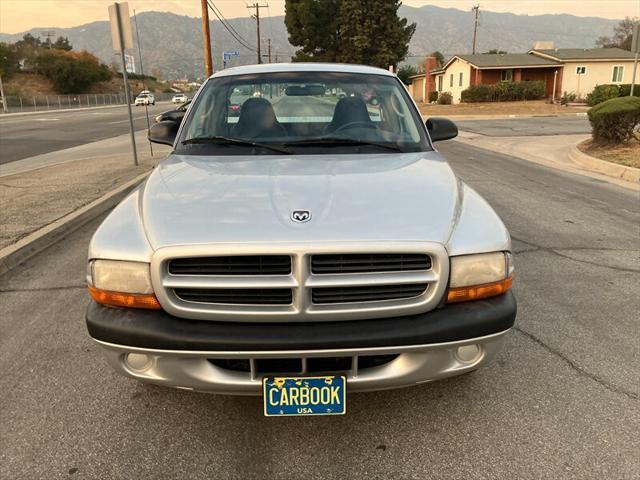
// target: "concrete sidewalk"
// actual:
[[33, 199], [549, 150]]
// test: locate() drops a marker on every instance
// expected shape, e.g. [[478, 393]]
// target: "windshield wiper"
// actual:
[[341, 142], [233, 141]]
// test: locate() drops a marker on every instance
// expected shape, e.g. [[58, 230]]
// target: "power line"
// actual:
[[232, 31]]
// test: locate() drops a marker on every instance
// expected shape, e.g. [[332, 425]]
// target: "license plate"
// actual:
[[296, 396]]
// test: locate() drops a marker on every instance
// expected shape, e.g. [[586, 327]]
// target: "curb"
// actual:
[[34, 243], [62, 110], [506, 117], [630, 174]]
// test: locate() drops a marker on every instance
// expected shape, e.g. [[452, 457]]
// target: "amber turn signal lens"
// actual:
[[127, 300], [477, 292]]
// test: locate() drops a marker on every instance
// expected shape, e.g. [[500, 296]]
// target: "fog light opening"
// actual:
[[138, 361], [469, 353]]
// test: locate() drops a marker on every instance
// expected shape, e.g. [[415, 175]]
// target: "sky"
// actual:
[[20, 15]]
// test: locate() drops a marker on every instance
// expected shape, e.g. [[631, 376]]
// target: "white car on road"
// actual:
[[179, 98], [145, 99]]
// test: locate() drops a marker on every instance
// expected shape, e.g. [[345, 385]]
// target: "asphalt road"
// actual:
[[23, 136], [561, 400], [523, 126]]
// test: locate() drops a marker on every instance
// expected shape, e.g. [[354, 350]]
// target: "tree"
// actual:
[[372, 33], [71, 72], [622, 35], [314, 26], [62, 43], [405, 72], [494, 51], [439, 57], [9, 62], [350, 31]]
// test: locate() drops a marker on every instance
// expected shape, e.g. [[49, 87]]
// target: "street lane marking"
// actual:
[[46, 119]]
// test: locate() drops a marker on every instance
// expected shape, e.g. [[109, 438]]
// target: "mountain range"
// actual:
[[171, 45]]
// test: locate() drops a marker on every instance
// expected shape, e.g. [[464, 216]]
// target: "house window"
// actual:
[[440, 83], [581, 70], [506, 75], [618, 72], [460, 80], [451, 80]]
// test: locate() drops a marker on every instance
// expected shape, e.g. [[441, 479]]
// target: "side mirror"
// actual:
[[441, 129], [164, 132]]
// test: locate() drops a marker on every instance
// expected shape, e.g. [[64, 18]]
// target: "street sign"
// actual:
[[226, 56], [130, 63], [121, 10], [122, 38]]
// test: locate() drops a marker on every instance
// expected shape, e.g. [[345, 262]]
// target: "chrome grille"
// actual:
[[369, 280], [232, 265], [236, 296], [369, 263], [366, 294]]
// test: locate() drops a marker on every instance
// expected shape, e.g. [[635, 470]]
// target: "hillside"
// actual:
[[172, 44]]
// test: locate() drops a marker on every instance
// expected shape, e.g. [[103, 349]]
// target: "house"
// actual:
[[584, 68], [563, 70]]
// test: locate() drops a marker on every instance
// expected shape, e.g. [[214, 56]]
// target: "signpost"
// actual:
[[122, 39], [226, 56], [635, 48]]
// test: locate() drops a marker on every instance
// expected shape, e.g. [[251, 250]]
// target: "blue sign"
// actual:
[[287, 396]]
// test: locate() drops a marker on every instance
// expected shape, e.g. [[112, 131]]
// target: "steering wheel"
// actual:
[[359, 123]]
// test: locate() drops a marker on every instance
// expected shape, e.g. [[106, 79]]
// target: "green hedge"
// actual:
[[504, 92], [433, 96], [445, 98], [602, 93], [615, 120]]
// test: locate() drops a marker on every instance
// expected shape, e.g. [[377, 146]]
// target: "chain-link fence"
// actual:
[[60, 102]]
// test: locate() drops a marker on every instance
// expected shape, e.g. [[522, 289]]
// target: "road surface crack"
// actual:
[[604, 383], [558, 251]]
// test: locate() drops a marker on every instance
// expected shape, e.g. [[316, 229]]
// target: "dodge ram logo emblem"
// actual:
[[301, 216]]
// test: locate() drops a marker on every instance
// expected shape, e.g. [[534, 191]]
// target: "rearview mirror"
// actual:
[[164, 132], [306, 90], [441, 129]]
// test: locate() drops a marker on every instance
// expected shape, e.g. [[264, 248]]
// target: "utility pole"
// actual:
[[475, 8], [49, 34], [269, 49], [257, 8], [206, 38]]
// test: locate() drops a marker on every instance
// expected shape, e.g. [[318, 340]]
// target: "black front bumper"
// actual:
[[158, 330]]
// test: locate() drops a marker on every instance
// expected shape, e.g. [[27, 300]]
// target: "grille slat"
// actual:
[[232, 265], [363, 263], [237, 296], [366, 294]]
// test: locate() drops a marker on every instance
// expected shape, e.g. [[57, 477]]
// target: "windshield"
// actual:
[[302, 112]]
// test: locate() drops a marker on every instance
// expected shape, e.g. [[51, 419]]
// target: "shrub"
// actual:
[[445, 98], [615, 120], [602, 93], [433, 97], [504, 92], [567, 97], [71, 72]]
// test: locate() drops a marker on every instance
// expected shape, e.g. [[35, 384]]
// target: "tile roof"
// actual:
[[488, 60]]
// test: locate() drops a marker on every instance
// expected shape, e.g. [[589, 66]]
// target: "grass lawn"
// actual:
[[625, 154], [529, 107]]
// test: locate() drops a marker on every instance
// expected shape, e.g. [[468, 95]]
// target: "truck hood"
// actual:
[[240, 199]]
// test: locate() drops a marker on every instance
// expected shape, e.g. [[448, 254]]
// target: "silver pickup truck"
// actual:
[[302, 239]]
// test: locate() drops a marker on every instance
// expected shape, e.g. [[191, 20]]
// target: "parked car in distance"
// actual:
[[307, 247], [175, 114], [145, 99], [179, 98]]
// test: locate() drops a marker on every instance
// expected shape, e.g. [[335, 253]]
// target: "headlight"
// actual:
[[121, 284], [484, 275]]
